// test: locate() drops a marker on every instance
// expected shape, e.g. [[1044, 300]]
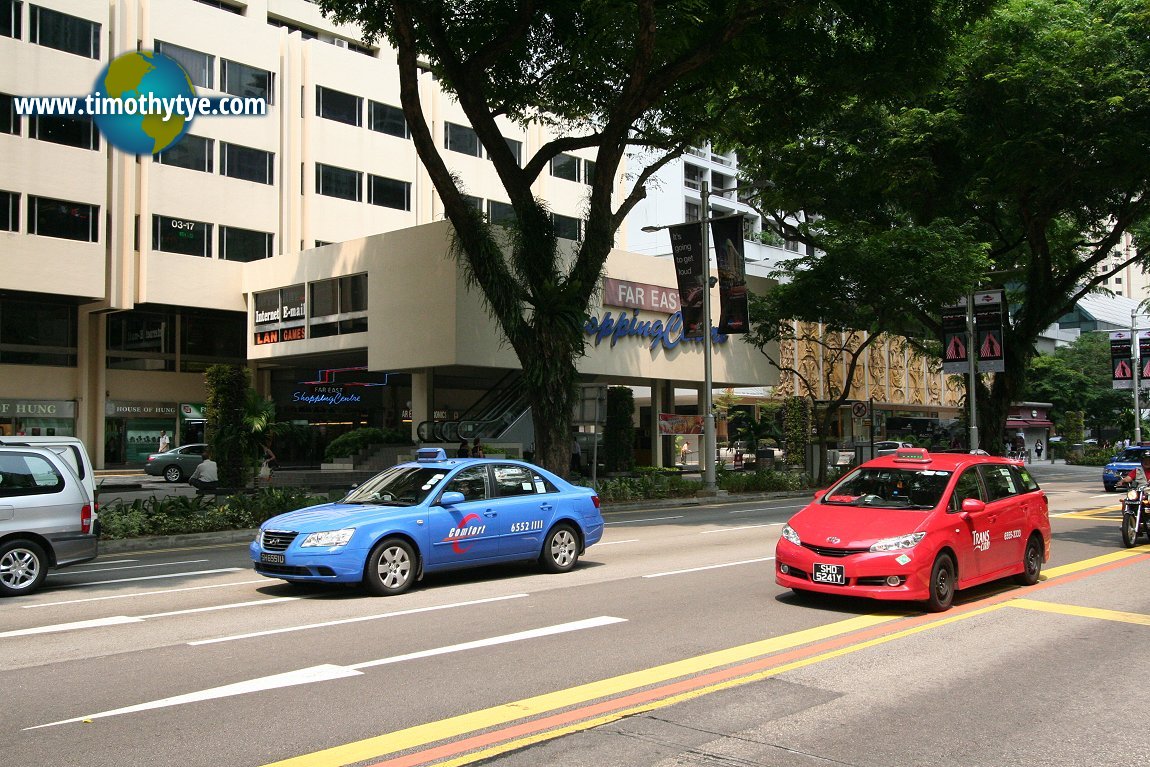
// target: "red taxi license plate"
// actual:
[[823, 573], [272, 559]]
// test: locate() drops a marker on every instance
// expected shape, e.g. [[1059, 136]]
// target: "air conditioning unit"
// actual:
[[340, 43]]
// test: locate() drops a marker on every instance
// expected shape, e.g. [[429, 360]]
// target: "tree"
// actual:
[[613, 77], [1032, 145], [225, 431], [1077, 378], [619, 430]]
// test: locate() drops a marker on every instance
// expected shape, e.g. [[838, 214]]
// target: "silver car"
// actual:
[[47, 518], [177, 464]]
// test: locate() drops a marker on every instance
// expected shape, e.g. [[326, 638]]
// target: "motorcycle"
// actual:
[[1135, 515]]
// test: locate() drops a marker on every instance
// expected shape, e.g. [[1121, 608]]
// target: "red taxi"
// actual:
[[918, 526]]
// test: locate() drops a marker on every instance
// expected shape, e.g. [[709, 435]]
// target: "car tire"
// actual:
[[173, 473], [560, 549], [23, 567], [941, 586], [1129, 531], [390, 568], [1031, 562]]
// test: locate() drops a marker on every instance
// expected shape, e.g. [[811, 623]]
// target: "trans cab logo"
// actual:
[[464, 531], [982, 540]]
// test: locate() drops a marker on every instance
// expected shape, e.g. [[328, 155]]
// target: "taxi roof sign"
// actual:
[[912, 455], [430, 454]]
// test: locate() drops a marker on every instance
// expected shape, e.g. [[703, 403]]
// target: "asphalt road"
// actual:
[[669, 645]]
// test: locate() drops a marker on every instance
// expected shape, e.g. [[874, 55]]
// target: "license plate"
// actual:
[[272, 559], [829, 574]]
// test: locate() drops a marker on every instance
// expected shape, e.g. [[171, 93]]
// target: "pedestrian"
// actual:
[[206, 477], [268, 465], [165, 441], [683, 450], [1038, 449], [477, 448], [463, 451], [576, 457]]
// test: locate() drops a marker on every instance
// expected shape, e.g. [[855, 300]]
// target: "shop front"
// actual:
[[132, 430], [37, 418]]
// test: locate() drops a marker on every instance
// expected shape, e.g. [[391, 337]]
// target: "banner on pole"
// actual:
[[734, 314], [988, 307], [1121, 360], [687, 251], [955, 341]]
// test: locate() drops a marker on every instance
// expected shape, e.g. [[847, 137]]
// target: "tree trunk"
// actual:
[[551, 378]]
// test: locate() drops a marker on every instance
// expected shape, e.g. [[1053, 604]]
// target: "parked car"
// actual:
[[918, 526], [71, 449], [1120, 465], [176, 465], [47, 517], [432, 514], [886, 447]]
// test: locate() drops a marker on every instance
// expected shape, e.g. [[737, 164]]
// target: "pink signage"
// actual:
[[636, 295]]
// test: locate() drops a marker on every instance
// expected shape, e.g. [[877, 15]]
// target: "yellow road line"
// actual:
[[1104, 559], [420, 735], [1088, 513], [1082, 612]]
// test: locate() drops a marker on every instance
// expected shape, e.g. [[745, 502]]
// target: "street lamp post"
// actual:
[[1135, 352]]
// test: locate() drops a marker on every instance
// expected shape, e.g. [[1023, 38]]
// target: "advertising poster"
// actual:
[[687, 250], [673, 423], [955, 340], [988, 308], [734, 315], [1121, 360]]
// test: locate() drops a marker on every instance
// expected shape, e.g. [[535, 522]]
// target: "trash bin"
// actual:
[[764, 459]]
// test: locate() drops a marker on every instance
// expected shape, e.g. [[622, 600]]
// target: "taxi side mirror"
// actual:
[[451, 498], [972, 506]]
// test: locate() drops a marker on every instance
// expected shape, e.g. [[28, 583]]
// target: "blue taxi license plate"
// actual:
[[272, 559], [824, 573]]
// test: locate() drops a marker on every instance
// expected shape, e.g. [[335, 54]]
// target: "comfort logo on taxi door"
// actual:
[[463, 531]]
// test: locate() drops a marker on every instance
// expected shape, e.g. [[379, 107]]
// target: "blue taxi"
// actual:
[[1121, 465], [432, 514]]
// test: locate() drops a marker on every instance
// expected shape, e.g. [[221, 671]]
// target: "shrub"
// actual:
[[177, 514], [354, 441], [1091, 456], [619, 430]]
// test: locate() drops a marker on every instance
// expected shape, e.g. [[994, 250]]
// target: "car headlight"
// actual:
[[328, 538], [900, 542], [790, 535]]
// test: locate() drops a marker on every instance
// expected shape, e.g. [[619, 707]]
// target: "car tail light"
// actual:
[[86, 519], [595, 500], [151, 457]]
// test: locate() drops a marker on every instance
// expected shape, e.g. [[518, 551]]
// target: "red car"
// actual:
[[917, 526]]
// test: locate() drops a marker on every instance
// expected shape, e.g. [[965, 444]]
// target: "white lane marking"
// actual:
[[359, 619], [105, 562], [137, 567], [143, 594], [152, 577], [612, 543], [562, 628], [649, 519], [770, 508], [116, 620], [709, 567], [1107, 495], [742, 527], [327, 672]]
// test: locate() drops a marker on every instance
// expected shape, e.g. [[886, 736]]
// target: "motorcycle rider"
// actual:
[[1138, 477]]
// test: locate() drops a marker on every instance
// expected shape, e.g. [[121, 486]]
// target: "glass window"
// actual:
[[324, 298], [244, 244], [246, 163], [475, 202], [37, 333], [192, 152], [386, 119], [691, 212], [868, 488], [966, 487], [245, 81], [64, 32], [339, 106], [1024, 480], [141, 341], [206, 339], [223, 6], [62, 218], [9, 120], [9, 212], [472, 482], [10, 18], [69, 131], [389, 192], [501, 213], [566, 228], [517, 480], [693, 176], [1000, 482], [588, 171], [304, 32], [199, 66], [353, 293], [565, 166], [338, 182], [461, 138], [179, 235], [28, 474], [516, 148]]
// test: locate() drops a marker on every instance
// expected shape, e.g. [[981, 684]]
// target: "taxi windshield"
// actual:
[[1131, 456], [917, 488], [398, 486]]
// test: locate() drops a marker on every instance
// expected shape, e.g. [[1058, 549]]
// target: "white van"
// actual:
[[71, 449]]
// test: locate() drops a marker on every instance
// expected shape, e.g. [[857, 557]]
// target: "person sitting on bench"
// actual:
[[205, 478]]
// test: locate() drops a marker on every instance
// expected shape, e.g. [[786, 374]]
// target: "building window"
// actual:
[[339, 106], [10, 18], [207, 339], [62, 218], [68, 131], [64, 32], [246, 163], [500, 213], [389, 192], [338, 182], [516, 148], [565, 166], [179, 235], [385, 118], [141, 341], [244, 244], [37, 332], [191, 152], [691, 212], [199, 66], [460, 138], [304, 32], [9, 212], [245, 81], [338, 306], [223, 6], [9, 120], [473, 201], [566, 228], [693, 176], [588, 171]]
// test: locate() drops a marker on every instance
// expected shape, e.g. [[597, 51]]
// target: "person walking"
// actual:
[[476, 448], [1038, 449], [463, 451], [165, 441], [576, 457]]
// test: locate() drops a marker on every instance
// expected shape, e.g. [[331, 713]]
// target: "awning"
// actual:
[[1023, 423]]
